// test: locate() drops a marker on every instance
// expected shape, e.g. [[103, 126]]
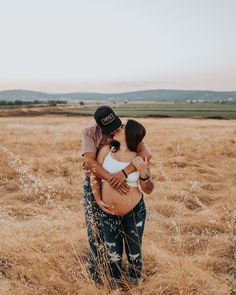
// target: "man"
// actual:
[[93, 139]]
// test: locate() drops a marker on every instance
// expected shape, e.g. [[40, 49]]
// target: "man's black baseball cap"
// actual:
[[106, 119]]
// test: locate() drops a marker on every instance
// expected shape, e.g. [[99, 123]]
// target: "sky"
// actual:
[[117, 45]]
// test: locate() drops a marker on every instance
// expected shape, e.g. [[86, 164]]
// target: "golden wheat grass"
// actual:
[[189, 244]]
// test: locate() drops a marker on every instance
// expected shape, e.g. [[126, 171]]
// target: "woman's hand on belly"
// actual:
[[109, 209]]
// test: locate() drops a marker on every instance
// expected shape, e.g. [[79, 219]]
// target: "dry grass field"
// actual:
[[189, 245]]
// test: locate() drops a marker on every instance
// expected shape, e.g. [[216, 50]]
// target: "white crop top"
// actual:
[[113, 166]]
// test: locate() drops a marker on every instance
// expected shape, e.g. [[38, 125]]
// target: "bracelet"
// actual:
[[144, 178], [126, 176]]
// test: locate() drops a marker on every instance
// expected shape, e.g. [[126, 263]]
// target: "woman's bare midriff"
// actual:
[[120, 204]]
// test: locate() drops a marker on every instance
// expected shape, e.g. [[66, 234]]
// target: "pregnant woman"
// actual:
[[126, 223]]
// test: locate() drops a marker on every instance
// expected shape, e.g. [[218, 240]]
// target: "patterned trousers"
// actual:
[[127, 230]]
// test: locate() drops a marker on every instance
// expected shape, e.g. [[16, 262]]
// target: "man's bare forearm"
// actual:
[[130, 169], [146, 181], [144, 151]]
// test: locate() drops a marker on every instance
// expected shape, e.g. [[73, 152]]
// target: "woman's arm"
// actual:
[[96, 190], [146, 182], [96, 183]]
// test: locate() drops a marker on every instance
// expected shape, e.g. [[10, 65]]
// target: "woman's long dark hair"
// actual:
[[134, 134]]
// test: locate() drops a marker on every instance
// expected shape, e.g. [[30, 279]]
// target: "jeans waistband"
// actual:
[[139, 202]]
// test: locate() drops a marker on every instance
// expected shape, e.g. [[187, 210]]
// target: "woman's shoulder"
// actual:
[[104, 151]]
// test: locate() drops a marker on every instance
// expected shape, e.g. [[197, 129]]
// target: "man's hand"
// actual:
[[118, 182], [104, 207]]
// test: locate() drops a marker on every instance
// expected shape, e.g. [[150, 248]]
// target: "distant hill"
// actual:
[[144, 95]]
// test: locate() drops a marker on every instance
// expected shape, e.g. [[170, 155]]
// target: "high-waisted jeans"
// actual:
[[127, 229]]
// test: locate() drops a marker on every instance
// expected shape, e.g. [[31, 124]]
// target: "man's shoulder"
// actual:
[[91, 130]]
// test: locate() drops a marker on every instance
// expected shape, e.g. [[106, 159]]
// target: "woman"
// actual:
[[126, 223]]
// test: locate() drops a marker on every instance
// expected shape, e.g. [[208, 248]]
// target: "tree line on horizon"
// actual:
[[33, 102]]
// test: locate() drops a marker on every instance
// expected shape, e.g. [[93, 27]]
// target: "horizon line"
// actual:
[[122, 92]]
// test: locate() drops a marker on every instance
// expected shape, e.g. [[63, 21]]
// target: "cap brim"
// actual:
[[111, 127]]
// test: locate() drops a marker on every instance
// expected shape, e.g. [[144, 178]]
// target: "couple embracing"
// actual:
[[116, 163]]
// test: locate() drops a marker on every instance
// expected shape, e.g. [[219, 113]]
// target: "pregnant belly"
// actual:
[[120, 204]]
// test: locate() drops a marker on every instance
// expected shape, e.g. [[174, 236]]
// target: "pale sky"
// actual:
[[117, 45]]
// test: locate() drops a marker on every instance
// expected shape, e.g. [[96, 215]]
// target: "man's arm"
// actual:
[[94, 167], [143, 151], [89, 151], [116, 180]]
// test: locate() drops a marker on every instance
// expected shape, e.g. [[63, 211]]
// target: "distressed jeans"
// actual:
[[92, 214], [127, 229]]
